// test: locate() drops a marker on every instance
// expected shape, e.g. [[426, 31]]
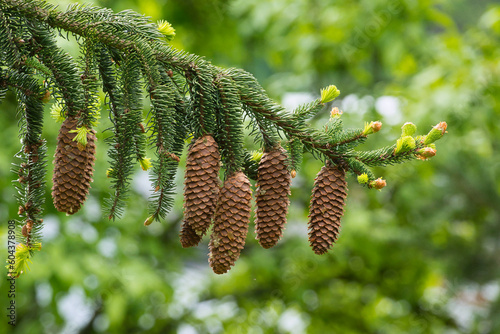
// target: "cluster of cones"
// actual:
[[228, 208], [206, 204]]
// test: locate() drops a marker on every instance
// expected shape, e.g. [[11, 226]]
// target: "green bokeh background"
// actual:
[[420, 256]]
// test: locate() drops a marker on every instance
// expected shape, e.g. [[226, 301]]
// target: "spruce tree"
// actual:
[[190, 99]]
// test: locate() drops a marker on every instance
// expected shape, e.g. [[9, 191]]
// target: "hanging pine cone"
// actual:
[[201, 189], [272, 197], [73, 168], [230, 223], [327, 207], [189, 237]]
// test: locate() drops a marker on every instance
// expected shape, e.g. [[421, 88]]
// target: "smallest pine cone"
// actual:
[[231, 220]]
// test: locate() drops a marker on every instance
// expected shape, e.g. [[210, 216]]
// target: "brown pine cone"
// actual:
[[272, 197], [327, 207], [201, 189], [189, 237], [231, 221], [73, 168]]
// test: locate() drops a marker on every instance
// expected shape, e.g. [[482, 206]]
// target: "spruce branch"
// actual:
[[305, 111], [66, 78], [132, 95], [162, 94], [262, 129], [125, 53], [123, 104], [7, 42], [250, 165], [200, 79], [89, 77], [230, 126], [295, 150], [36, 65], [386, 156], [31, 170], [255, 98]]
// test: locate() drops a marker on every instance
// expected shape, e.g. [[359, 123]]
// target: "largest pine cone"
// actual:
[[231, 220], [201, 189], [327, 207], [73, 168], [272, 197]]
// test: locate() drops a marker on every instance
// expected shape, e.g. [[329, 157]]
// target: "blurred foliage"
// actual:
[[420, 256]]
